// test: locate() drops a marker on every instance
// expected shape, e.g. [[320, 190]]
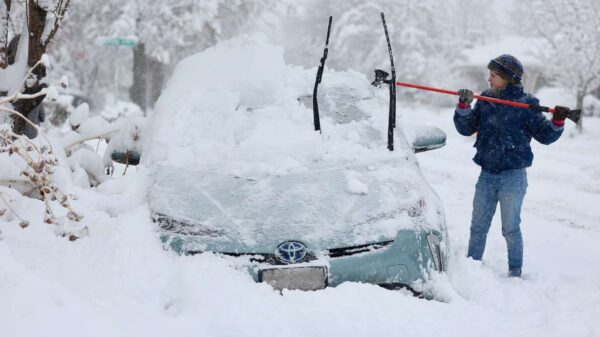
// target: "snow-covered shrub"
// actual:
[[29, 168], [45, 168]]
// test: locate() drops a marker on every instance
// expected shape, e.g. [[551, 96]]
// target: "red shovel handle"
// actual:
[[483, 98], [505, 102]]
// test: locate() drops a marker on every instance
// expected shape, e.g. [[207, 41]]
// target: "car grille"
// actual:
[[353, 250], [333, 253], [257, 257]]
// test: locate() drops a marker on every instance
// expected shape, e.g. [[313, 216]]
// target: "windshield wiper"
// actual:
[[318, 80], [392, 84]]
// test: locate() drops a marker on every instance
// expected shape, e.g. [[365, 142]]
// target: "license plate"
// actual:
[[296, 278]]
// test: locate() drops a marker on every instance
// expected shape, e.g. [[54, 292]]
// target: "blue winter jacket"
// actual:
[[504, 132]]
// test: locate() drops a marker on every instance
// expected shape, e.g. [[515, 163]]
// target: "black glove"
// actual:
[[560, 113], [465, 96]]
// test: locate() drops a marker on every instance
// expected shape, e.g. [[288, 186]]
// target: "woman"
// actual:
[[504, 135]]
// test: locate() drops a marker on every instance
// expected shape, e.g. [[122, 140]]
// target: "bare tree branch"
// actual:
[[101, 135], [59, 13]]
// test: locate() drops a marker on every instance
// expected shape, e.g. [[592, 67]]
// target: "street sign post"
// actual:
[[118, 41]]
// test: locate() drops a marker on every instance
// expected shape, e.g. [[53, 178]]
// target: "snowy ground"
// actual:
[[119, 281]]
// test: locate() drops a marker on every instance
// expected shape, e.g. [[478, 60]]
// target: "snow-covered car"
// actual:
[[237, 169]]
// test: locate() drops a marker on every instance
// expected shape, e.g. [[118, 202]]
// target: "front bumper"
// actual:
[[402, 262]]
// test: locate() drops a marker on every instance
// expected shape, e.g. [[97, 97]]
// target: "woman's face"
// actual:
[[496, 81]]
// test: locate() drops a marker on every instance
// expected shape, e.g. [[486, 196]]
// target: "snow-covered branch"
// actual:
[[58, 12], [40, 163]]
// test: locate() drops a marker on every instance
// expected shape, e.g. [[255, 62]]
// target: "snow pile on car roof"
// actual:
[[238, 106]]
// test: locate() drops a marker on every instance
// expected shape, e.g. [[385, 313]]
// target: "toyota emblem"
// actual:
[[291, 252]]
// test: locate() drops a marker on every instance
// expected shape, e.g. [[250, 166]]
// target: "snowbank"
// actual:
[[119, 282]]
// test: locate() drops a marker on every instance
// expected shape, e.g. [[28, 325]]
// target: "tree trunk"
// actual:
[[32, 108], [148, 76], [36, 17], [157, 76], [4, 22], [579, 105], [36, 21], [137, 92]]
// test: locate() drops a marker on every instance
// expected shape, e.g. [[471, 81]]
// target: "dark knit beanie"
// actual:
[[508, 67]]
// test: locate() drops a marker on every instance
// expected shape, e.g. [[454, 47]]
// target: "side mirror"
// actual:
[[425, 137], [125, 146], [129, 157]]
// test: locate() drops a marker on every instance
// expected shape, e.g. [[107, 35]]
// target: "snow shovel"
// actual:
[[381, 77]]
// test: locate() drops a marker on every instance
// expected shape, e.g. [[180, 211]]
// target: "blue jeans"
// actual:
[[509, 189]]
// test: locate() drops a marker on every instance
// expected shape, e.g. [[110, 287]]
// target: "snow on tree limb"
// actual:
[[58, 14], [40, 163], [37, 164]]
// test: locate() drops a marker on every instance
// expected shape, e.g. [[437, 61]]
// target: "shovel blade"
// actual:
[[574, 115], [380, 77]]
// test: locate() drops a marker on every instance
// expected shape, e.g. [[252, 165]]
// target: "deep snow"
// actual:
[[119, 281]]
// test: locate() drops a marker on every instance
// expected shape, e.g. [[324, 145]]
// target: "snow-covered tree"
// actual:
[[417, 38], [21, 49], [50, 165], [165, 31], [570, 27], [29, 165], [469, 22], [424, 46]]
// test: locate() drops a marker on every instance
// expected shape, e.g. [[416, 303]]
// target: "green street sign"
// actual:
[[120, 41]]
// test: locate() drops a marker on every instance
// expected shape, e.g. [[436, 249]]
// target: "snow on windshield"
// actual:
[[239, 107]]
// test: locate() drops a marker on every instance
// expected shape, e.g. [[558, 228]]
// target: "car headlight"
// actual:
[[436, 252]]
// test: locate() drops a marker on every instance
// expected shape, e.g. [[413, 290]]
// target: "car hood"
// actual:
[[326, 206]]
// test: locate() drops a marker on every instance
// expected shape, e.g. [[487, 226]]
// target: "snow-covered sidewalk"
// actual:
[[560, 292]]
